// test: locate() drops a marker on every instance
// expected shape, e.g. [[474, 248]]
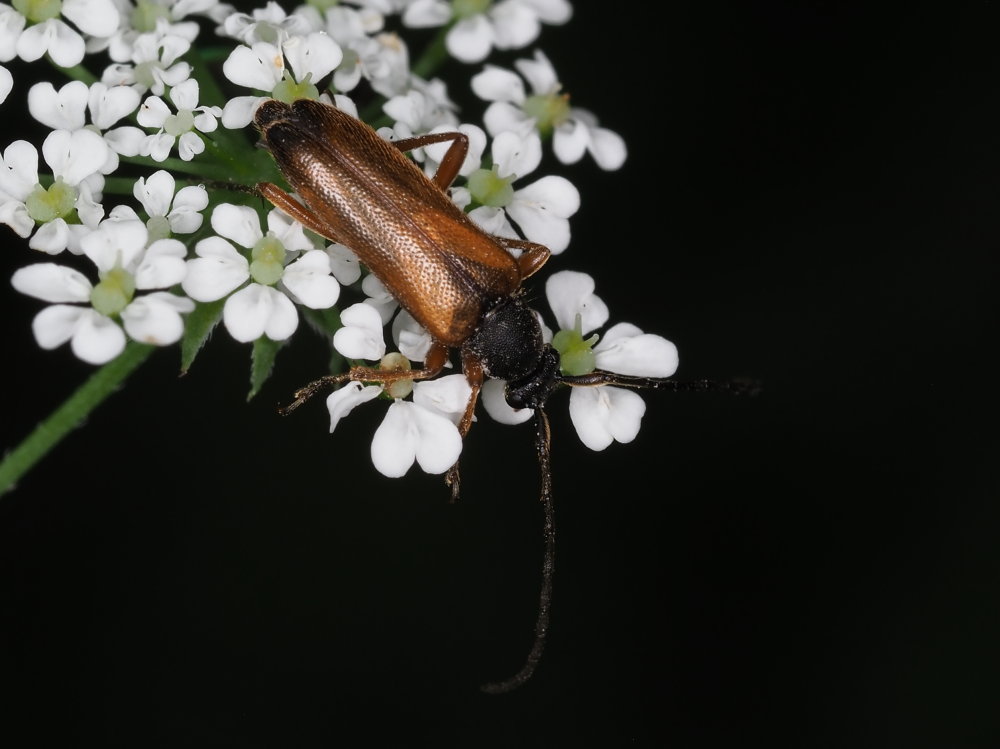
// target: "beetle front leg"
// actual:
[[473, 370]]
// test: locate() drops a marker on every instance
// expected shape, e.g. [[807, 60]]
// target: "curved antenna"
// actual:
[[542, 447]]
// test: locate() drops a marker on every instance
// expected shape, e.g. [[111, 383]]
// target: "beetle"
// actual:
[[463, 285]]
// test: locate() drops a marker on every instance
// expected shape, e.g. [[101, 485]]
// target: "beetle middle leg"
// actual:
[[448, 168]]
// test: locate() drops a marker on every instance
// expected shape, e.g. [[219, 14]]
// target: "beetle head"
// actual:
[[508, 344]]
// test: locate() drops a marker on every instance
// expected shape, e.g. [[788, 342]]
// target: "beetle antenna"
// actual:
[[542, 447], [737, 385]]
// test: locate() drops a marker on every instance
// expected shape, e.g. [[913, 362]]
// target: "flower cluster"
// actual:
[[133, 258]]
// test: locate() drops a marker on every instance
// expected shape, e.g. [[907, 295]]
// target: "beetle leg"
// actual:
[[294, 208], [473, 370], [533, 255], [434, 362], [452, 161]]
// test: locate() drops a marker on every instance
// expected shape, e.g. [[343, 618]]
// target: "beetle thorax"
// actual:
[[508, 344]]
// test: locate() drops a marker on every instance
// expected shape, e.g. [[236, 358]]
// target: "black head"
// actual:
[[508, 344]]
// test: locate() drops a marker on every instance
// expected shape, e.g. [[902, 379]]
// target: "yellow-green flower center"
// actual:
[[113, 293], [549, 110], [146, 14], [395, 362], [158, 228], [37, 11], [489, 188], [288, 90], [467, 8], [576, 356], [267, 260], [180, 123], [57, 201]]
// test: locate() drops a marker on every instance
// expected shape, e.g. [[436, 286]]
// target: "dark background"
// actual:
[[810, 199]]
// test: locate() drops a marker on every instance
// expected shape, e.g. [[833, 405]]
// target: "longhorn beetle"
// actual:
[[462, 284]]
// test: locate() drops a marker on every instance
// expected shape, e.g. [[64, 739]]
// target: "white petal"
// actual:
[[153, 112], [108, 104], [259, 310], [189, 145], [541, 210], [412, 340], [426, 14], [258, 68], [185, 94], [185, 216], [344, 264], [570, 141], [54, 325], [156, 192], [604, 414], [539, 73], [571, 293], [239, 223], [95, 17], [625, 349], [127, 141], [411, 432], [494, 399], [501, 116], [239, 111], [343, 400], [448, 395], [308, 279], [497, 84], [52, 283], [19, 174], [514, 24], [74, 156], [607, 148], [51, 238], [361, 334], [317, 54], [218, 270], [116, 244], [6, 83], [63, 109], [14, 214], [470, 40], [516, 155], [97, 339], [157, 146], [551, 11], [162, 265], [156, 318]]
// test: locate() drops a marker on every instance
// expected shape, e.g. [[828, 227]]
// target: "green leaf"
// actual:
[[198, 327], [265, 351]]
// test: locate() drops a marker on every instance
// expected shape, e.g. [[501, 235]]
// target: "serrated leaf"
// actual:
[[265, 351], [197, 329]]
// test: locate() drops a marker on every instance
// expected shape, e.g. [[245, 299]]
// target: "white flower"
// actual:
[[420, 110], [575, 131], [86, 315], [33, 36], [541, 210], [179, 127], [508, 24], [66, 109], [262, 67], [604, 414], [154, 65], [168, 213], [259, 308], [266, 24], [75, 159]]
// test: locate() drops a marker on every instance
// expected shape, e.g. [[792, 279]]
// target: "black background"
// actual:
[[810, 199]]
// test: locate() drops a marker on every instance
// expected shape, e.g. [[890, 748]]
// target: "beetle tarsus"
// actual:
[[453, 481]]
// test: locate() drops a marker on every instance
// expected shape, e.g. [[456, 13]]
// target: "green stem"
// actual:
[[70, 414], [433, 56]]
